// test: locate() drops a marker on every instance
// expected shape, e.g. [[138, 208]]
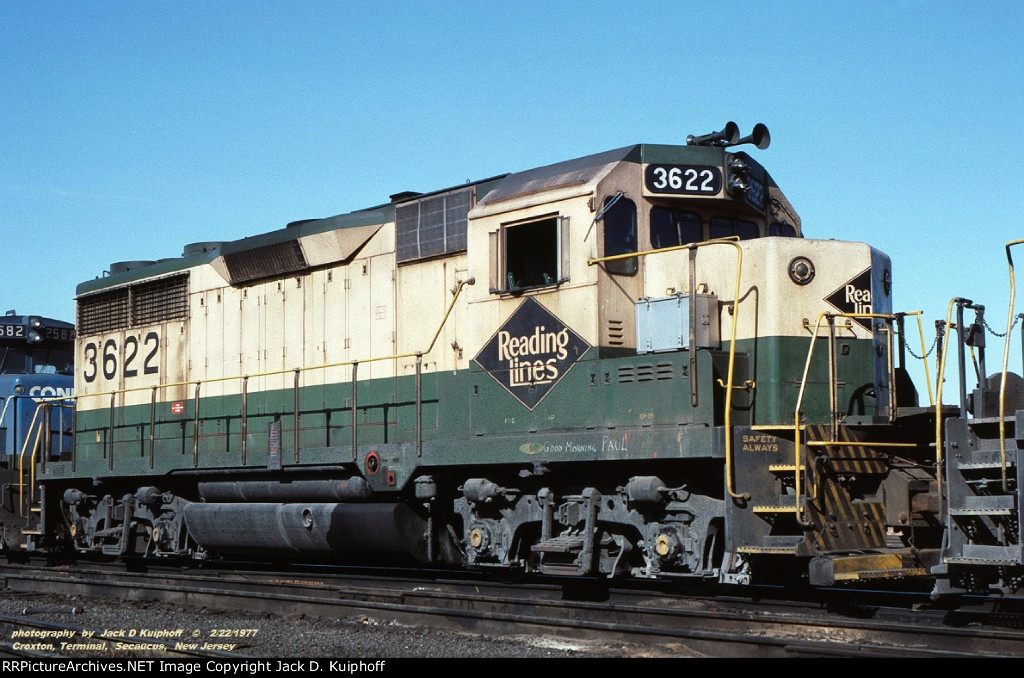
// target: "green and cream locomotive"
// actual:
[[626, 364]]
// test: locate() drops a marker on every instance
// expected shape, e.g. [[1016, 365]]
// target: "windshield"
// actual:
[[18, 359]]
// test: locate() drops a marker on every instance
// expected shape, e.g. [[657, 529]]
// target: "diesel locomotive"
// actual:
[[629, 364], [36, 384]]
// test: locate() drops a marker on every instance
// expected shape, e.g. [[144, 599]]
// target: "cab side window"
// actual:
[[721, 227], [671, 228], [780, 229], [620, 234]]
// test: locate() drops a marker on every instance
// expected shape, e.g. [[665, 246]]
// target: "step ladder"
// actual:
[[984, 496]]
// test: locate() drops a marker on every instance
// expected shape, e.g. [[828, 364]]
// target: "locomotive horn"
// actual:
[[726, 137], [759, 137]]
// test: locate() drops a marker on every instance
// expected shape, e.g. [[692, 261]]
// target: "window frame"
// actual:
[[702, 233], [611, 210], [734, 222], [556, 254]]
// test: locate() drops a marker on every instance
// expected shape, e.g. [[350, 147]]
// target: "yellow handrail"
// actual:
[[1002, 382], [32, 466], [733, 240], [924, 354], [803, 383], [1006, 355], [939, 381]]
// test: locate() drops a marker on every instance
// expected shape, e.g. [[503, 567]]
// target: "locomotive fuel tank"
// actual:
[[352, 532]]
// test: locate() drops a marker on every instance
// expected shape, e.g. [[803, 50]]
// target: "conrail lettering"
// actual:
[[50, 391]]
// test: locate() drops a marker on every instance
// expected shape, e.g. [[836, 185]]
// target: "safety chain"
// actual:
[[935, 342], [1001, 334]]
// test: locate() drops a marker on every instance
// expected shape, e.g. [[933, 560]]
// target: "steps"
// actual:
[[984, 501]]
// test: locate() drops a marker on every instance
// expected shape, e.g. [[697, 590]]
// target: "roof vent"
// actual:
[[127, 266], [200, 248]]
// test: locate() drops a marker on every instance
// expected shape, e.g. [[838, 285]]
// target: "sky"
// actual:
[[131, 129]]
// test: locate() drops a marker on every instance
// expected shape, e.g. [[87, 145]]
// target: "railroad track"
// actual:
[[863, 624]]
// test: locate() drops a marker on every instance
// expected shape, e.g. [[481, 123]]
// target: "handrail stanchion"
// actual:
[[295, 417], [152, 427], [195, 429], [110, 433], [245, 416], [419, 405], [355, 418]]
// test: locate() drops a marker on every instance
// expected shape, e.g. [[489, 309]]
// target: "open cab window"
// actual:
[[529, 255]]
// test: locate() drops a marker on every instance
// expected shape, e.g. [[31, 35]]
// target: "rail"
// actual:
[[418, 355], [729, 386]]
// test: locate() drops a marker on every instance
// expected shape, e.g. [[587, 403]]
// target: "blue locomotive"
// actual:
[[36, 386]]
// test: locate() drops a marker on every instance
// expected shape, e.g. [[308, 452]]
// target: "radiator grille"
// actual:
[[103, 312], [160, 300], [144, 303]]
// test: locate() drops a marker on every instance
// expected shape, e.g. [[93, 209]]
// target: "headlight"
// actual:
[[801, 270]]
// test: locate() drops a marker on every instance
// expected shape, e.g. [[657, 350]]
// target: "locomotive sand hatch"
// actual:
[[629, 364]]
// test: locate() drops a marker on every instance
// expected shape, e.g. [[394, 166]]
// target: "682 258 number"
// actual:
[[108, 359]]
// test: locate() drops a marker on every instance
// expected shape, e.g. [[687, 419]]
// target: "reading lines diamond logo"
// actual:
[[531, 352]]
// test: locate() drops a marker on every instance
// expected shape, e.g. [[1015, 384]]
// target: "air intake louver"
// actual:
[[265, 262]]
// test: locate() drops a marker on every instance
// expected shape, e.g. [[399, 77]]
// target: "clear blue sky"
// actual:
[[131, 129]]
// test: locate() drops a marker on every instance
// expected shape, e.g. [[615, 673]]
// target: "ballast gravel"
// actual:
[[134, 628]]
